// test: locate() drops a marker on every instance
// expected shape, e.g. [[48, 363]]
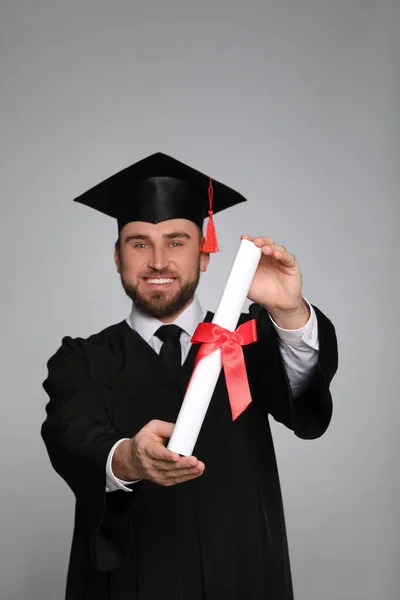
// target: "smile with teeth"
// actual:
[[159, 281]]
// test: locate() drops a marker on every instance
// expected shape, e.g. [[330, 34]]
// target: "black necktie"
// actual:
[[171, 349]]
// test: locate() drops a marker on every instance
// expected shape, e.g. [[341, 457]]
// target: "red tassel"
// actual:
[[210, 242]]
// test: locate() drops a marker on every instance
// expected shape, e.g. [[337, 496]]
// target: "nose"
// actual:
[[158, 259]]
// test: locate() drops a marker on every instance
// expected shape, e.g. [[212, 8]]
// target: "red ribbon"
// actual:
[[212, 337]]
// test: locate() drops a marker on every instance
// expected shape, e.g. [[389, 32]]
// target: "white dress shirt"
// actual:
[[299, 349]]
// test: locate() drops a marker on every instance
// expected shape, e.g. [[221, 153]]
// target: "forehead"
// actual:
[[155, 230]]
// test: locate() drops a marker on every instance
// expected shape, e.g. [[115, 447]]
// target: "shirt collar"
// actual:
[[146, 326]]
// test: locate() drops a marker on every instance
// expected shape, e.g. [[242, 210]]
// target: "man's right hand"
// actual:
[[146, 457]]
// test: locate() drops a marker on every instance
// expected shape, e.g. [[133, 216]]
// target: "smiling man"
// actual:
[[160, 265], [149, 523]]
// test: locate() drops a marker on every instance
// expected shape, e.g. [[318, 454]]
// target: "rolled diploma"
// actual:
[[205, 376]]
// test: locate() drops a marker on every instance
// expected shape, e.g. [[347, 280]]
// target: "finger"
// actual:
[[183, 473], [157, 451], [185, 462], [270, 248], [286, 258], [279, 253], [258, 241], [181, 478]]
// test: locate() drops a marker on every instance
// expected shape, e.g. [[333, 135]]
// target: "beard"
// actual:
[[157, 304]]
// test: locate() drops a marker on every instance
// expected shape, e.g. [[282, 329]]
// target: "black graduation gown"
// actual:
[[219, 536]]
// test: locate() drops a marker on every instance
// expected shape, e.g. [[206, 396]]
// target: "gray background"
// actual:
[[295, 105]]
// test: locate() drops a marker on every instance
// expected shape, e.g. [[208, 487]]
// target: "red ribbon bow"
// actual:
[[212, 337]]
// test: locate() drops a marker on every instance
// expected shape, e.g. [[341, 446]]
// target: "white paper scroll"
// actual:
[[205, 376]]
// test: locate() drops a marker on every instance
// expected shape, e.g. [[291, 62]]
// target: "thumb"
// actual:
[[161, 429]]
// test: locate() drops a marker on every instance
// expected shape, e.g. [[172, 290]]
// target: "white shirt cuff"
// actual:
[[112, 482], [308, 334]]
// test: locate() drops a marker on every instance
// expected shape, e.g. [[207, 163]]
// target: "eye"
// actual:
[[140, 245], [175, 244]]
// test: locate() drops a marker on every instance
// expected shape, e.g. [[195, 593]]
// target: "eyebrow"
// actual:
[[168, 236]]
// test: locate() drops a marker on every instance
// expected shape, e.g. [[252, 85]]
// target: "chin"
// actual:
[[159, 296], [160, 303]]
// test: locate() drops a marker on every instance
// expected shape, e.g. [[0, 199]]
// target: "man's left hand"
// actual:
[[277, 284]]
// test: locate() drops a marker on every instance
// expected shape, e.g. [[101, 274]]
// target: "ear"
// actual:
[[117, 256], [204, 260]]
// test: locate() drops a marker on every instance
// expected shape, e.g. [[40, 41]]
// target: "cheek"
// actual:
[[191, 263], [131, 265]]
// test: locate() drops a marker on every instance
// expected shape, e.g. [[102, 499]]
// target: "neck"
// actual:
[[171, 318]]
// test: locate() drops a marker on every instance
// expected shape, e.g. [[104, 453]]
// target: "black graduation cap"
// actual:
[[158, 188]]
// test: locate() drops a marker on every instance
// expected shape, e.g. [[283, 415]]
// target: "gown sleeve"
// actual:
[[78, 433], [310, 413]]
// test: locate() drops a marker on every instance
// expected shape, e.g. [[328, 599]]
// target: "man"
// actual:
[[150, 523]]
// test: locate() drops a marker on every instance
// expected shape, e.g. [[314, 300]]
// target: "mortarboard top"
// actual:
[[158, 188]]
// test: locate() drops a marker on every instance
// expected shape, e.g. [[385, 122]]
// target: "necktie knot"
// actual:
[[169, 332]]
